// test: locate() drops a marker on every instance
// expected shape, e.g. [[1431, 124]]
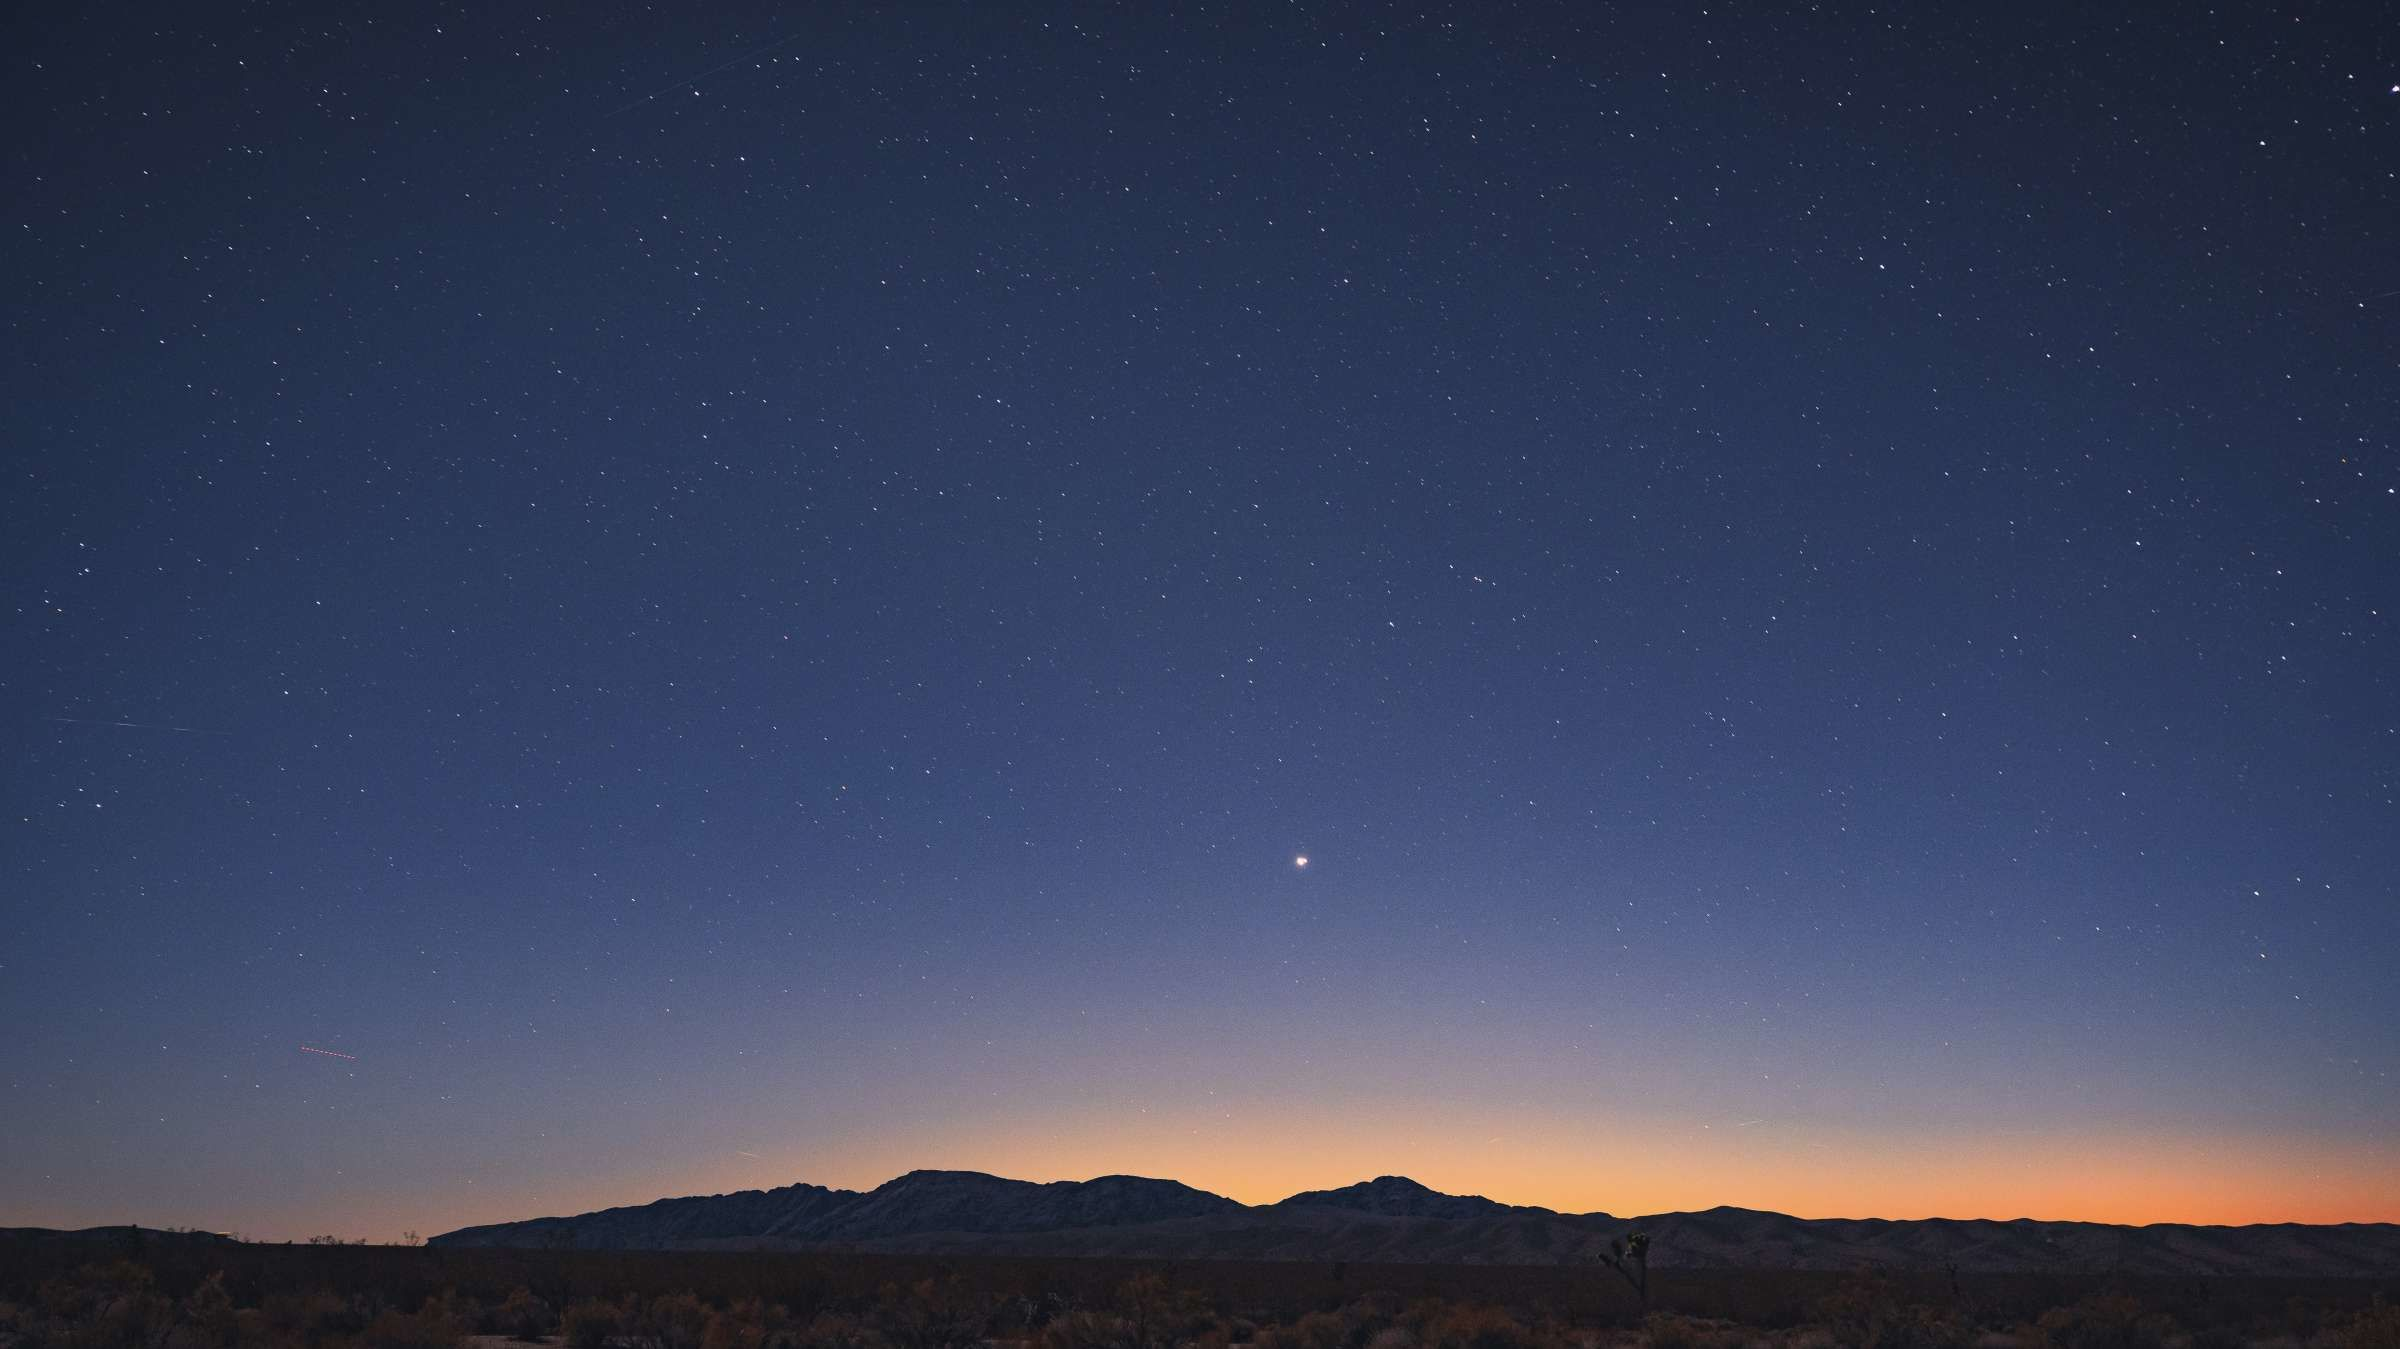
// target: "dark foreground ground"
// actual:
[[147, 1291]]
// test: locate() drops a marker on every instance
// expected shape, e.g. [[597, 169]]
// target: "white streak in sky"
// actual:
[[134, 725]]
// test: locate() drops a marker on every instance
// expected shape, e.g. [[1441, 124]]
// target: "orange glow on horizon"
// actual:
[[1575, 1169], [1261, 1153]]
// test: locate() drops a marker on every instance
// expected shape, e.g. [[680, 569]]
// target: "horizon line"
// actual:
[[1537, 1208]]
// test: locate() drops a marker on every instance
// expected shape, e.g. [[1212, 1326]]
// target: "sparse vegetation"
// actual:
[[2106, 1321], [221, 1296], [2378, 1327], [1629, 1256], [588, 1324]]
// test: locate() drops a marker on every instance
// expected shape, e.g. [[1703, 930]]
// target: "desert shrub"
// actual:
[[209, 1320], [669, 1321], [310, 1320], [1373, 1313], [2104, 1321], [1356, 1324], [1147, 1305], [1665, 1330], [1086, 1330], [1472, 1327], [1316, 1330], [2378, 1327], [1662, 1330], [834, 1331], [452, 1308], [748, 1324], [113, 1306], [521, 1316], [2302, 1316], [1020, 1317], [1159, 1315], [588, 1324], [941, 1313], [1869, 1312], [1917, 1326], [1853, 1305]]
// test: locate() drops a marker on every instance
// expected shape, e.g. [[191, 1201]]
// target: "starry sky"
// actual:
[[610, 601]]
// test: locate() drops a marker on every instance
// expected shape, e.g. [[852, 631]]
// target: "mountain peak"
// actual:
[[974, 1202], [1401, 1197], [930, 1175]]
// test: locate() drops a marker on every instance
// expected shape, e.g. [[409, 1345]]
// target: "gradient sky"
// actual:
[[771, 593]]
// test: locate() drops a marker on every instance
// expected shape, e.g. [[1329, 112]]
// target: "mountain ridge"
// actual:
[[1393, 1219], [1400, 1197]]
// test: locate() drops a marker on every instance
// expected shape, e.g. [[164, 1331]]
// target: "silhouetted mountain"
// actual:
[[667, 1224], [970, 1201], [1400, 1197], [1395, 1220], [960, 1202], [122, 1236]]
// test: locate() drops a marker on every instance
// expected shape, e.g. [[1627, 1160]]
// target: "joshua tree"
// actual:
[[1630, 1258]]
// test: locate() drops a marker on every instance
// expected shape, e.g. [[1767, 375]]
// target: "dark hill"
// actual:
[[666, 1224], [1400, 1197], [970, 1201], [964, 1203], [1395, 1220], [121, 1236]]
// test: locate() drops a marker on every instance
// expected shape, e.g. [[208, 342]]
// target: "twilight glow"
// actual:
[[1619, 610]]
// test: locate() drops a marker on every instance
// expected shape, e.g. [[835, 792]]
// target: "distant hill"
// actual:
[[121, 1236], [1400, 1197], [1393, 1219], [961, 1203]]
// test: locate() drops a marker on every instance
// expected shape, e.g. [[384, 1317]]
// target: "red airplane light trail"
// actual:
[[329, 1053]]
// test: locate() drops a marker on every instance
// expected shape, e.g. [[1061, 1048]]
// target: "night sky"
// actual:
[[723, 597]]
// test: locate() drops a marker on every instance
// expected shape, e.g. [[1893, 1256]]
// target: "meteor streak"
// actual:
[[134, 725]]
